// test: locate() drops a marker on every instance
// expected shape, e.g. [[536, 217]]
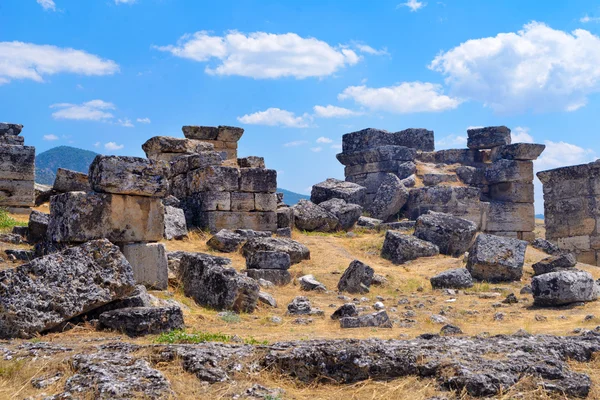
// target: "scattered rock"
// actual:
[[389, 199], [310, 217], [357, 278], [175, 224], [459, 278], [226, 241], [308, 283], [337, 189], [450, 330], [497, 259], [278, 277], [301, 306], [11, 238], [346, 213], [267, 298], [400, 248], [347, 310], [268, 260], [563, 287], [554, 263], [452, 235], [438, 319], [526, 290], [379, 319], [141, 321], [297, 251], [510, 299], [379, 306], [546, 246], [37, 227]]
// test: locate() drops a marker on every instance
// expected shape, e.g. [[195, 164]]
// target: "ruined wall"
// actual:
[[489, 183], [572, 209], [17, 170], [217, 190]]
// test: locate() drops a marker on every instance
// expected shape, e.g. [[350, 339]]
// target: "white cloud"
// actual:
[[20, 60], [126, 122], [406, 97], [414, 5], [537, 68], [47, 4], [336, 146], [585, 19], [125, 1], [113, 146], [451, 141], [143, 120], [316, 149], [562, 154], [324, 139], [50, 137], [364, 48], [521, 135], [330, 111], [262, 55], [97, 144], [95, 110], [295, 143], [275, 117]]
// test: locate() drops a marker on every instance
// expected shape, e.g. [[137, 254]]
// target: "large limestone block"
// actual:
[[497, 259], [265, 201], [67, 180], [169, 145], [563, 287], [7, 128], [516, 217], [12, 140], [213, 178], [377, 155], [336, 189], [258, 180], [310, 217], [175, 225], [346, 213], [251, 162], [49, 291], [488, 137], [370, 181], [509, 171], [149, 264], [214, 221], [221, 133], [17, 193], [242, 201], [389, 198], [186, 163], [297, 251], [518, 151], [451, 234], [400, 248], [17, 162], [129, 175], [79, 217], [384, 166], [419, 139], [512, 192]]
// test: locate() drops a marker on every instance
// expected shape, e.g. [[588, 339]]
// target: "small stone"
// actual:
[[526, 290], [450, 330], [267, 298], [140, 321], [379, 306], [459, 278], [510, 299], [499, 316], [379, 319], [308, 283], [301, 306], [357, 278], [347, 310]]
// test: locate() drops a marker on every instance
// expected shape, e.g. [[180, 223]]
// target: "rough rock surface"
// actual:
[[497, 259], [140, 321], [357, 278], [488, 137], [389, 198], [297, 251], [7, 128], [175, 225], [301, 306], [48, 291], [336, 189], [308, 283], [267, 298], [37, 227], [563, 287], [278, 277], [546, 246], [369, 223], [346, 213], [226, 241], [269, 260], [310, 217], [451, 234], [459, 278], [379, 319], [400, 248], [347, 310], [67, 180], [554, 263], [209, 281]]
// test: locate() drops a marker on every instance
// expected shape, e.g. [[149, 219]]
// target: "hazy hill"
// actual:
[[291, 198], [49, 161]]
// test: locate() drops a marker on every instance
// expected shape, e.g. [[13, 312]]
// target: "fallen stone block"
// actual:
[[79, 217], [15, 194], [267, 298], [297, 251], [20, 254], [48, 291], [497, 259], [210, 284], [309, 283], [518, 151], [129, 175], [301, 306], [346, 213], [389, 199], [452, 235], [226, 241], [347, 310], [376, 320], [37, 227], [310, 217], [149, 264], [357, 278], [258, 180], [285, 217], [42, 193], [213, 178], [563, 287], [17, 162], [278, 277], [70, 181], [369, 223], [336, 189], [251, 234], [141, 321], [400, 248], [167, 148], [459, 278], [546, 246], [268, 260], [554, 263], [175, 225], [251, 162], [488, 137]]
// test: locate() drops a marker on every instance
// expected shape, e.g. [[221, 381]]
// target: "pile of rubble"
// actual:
[[17, 170]]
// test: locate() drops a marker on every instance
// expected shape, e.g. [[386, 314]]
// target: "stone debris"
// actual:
[[546, 246], [452, 235], [17, 170], [497, 259], [310, 217], [301, 306], [357, 278], [563, 287], [346, 310], [297, 251], [459, 278], [390, 197], [309, 283], [554, 263], [175, 225], [67, 180], [400, 248], [267, 298], [346, 213], [337, 189], [226, 241], [140, 321], [378, 319], [368, 222], [37, 227], [275, 260]]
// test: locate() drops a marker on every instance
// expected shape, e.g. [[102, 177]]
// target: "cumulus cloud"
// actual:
[[126, 122], [324, 139], [586, 18], [295, 143], [94, 110], [125, 1], [365, 48], [20, 60], [144, 120], [47, 4], [414, 5], [521, 135], [330, 111], [113, 146], [337, 146], [275, 117], [262, 55], [537, 68], [50, 137], [451, 141], [406, 97]]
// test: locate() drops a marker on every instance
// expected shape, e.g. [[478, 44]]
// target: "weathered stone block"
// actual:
[[242, 201], [459, 278], [175, 225], [400, 248], [17, 162], [518, 151], [129, 175], [420, 139], [37, 227], [213, 178], [12, 140], [497, 259], [164, 144], [336, 189], [370, 181], [472, 176], [221, 133], [512, 192], [510, 171], [7, 128], [488, 137], [383, 166], [268, 260], [285, 217], [310, 217], [451, 234], [251, 162], [214, 201], [297, 251], [16, 193], [389, 198], [265, 201], [258, 221], [278, 277], [516, 217], [149, 264], [140, 321], [574, 243], [346, 213], [185, 163], [71, 181], [357, 278], [258, 180], [79, 217], [563, 287], [376, 155]]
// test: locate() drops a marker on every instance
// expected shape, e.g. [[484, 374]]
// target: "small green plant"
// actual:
[[10, 368], [180, 336], [7, 222], [231, 318]]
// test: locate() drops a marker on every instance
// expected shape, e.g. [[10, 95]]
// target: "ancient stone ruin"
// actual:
[[17, 170], [490, 183], [216, 189], [571, 209]]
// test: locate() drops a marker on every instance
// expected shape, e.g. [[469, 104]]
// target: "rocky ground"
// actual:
[[271, 355]]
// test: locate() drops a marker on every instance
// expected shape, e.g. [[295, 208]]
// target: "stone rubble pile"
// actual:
[[17, 170]]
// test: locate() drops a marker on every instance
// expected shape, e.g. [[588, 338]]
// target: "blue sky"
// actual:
[[106, 75]]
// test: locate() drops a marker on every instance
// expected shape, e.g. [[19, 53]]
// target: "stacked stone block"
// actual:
[[216, 189], [124, 206], [17, 170], [572, 209]]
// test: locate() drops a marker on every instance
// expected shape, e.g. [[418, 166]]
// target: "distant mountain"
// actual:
[[291, 198], [72, 158], [539, 216]]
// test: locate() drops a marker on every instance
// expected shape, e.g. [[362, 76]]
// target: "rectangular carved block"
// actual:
[[512, 192], [149, 264], [258, 180], [16, 193], [258, 221], [265, 201], [213, 178], [512, 217], [241, 201], [17, 162]]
